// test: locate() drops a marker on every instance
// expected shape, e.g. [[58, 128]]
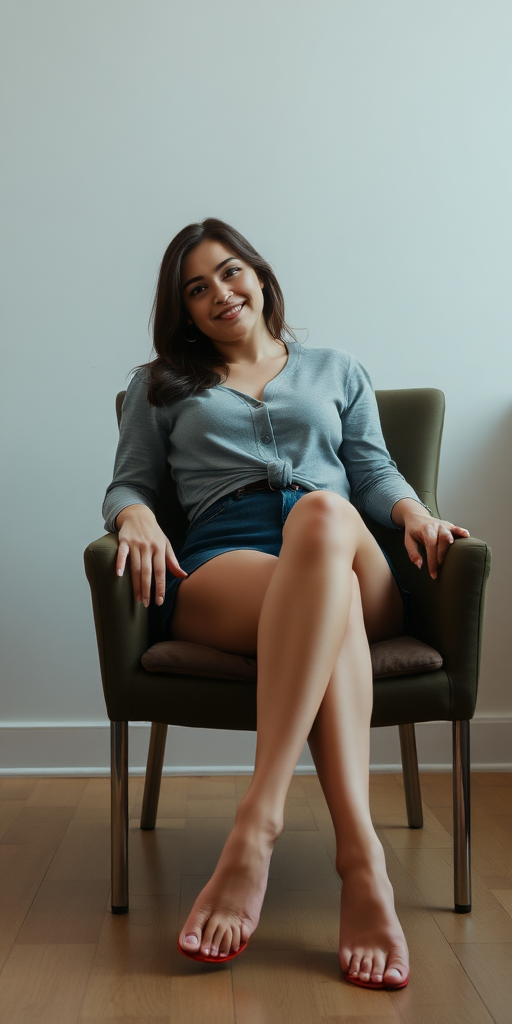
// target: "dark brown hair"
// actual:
[[182, 369]]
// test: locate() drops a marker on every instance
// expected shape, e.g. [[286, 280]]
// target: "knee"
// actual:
[[323, 519]]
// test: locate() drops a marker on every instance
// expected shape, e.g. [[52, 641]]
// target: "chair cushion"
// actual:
[[403, 656]]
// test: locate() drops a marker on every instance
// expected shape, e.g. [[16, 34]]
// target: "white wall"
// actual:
[[364, 147]]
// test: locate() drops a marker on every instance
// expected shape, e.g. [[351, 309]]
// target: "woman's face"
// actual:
[[222, 294]]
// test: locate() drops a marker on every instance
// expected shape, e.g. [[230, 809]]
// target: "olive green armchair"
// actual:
[[445, 614]]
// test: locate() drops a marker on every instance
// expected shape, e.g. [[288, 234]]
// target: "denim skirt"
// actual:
[[252, 520], [234, 522]]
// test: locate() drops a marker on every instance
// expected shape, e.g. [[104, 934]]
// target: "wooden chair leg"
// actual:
[[119, 815], [411, 775], [155, 764], [461, 817]]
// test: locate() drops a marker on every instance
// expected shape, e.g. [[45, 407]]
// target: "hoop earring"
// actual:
[[190, 340]]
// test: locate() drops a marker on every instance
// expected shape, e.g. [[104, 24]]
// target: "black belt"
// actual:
[[262, 485]]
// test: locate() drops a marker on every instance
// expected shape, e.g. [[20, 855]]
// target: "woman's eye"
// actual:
[[231, 270], [196, 290]]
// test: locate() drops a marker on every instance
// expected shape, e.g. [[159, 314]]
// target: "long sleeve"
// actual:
[[141, 455], [375, 482]]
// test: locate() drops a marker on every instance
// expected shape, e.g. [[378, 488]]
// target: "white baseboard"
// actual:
[[82, 748]]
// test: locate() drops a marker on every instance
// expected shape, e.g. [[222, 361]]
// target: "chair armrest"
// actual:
[[453, 609], [447, 613], [121, 624]]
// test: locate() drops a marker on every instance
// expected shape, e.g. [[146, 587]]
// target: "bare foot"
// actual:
[[227, 911], [373, 950]]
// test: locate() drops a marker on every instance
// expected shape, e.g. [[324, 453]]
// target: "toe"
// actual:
[[225, 943], [365, 969], [397, 970], [191, 934], [354, 965], [394, 977], [379, 964], [190, 940]]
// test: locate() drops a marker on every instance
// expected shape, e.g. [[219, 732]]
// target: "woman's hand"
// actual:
[[435, 535], [141, 538]]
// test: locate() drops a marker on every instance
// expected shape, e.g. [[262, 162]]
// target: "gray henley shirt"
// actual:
[[318, 425]]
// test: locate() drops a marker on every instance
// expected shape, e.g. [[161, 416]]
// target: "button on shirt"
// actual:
[[318, 425]]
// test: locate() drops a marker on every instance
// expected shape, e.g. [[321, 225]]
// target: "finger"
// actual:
[[173, 564], [413, 550], [122, 554], [459, 531], [146, 573], [444, 541], [135, 571], [159, 573], [437, 543], [431, 551]]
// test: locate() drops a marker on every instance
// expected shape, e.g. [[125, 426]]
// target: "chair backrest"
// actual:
[[412, 424]]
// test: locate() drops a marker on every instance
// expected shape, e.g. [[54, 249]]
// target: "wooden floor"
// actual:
[[64, 958]]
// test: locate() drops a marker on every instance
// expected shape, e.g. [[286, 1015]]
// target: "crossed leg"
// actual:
[[303, 614]]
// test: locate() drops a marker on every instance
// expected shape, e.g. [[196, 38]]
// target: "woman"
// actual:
[[268, 442]]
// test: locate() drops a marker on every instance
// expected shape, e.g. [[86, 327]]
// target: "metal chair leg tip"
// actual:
[[463, 908], [120, 910]]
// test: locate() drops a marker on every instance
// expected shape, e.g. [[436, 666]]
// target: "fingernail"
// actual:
[[119, 572], [159, 601], [145, 602], [192, 940]]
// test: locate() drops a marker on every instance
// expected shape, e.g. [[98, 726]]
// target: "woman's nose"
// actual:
[[223, 292]]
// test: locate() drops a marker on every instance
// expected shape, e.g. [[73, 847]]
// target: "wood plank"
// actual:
[[503, 780], [129, 1020], [504, 896], [433, 874], [22, 869], [302, 862], [138, 975], [59, 792], [439, 990], [211, 787], [16, 788], [44, 984], [337, 998], [132, 970], [489, 966], [65, 912], [204, 840], [200, 993], [215, 807], [9, 811], [42, 826], [156, 857], [364, 1019], [273, 987], [84, 851], [174, 793], [433, 835], [95, 800], [298, 816]]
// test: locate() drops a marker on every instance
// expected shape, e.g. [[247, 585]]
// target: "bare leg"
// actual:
[[372, 944], [305, 615]]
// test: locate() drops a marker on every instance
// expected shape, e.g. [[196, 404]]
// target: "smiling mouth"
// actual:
[[231, 313]]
